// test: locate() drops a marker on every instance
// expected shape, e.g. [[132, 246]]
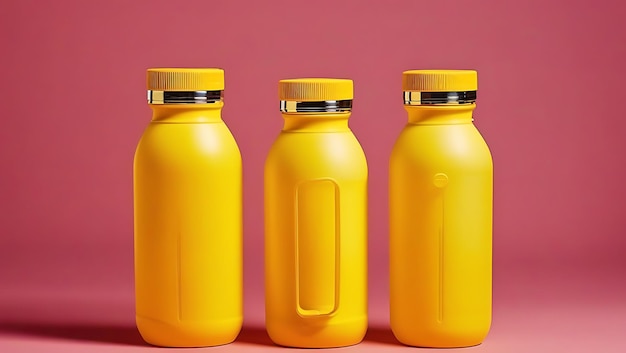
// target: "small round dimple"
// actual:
[[440, 180]]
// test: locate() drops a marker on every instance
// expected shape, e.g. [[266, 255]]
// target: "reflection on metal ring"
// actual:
[[429, 98], [184, 97], [316, 107]]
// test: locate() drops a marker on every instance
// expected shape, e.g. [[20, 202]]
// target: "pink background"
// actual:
[[550, 106]]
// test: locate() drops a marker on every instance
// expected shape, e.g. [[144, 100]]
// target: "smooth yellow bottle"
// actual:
[[440, 186], [188, 214], [315, 220]]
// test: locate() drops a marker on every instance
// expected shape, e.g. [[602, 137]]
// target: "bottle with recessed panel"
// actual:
[[440, 215], [316, 220], [188, 214]]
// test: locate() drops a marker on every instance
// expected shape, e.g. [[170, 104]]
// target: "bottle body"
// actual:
[[188, 229], [316, 234], [440, 190]]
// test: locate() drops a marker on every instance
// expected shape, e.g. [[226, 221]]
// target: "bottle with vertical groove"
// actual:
[[440, 204], [315, 220], [188, 214]]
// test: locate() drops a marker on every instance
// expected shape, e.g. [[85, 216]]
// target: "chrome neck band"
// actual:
[[316, 107], [184, 97], [439, 98]]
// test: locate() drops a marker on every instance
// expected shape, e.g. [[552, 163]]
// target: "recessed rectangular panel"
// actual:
[[316, 247]]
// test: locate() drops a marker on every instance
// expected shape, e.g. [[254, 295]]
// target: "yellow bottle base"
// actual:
[[187, 334], [432, 338], [319, 334]]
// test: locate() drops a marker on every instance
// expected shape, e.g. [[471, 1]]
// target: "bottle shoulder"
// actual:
[[176, 134], [316, 143], [320, 154], [442, 137], [201, 143], [461, 144]]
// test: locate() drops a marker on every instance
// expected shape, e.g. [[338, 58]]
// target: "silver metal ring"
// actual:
[[184, 97], [316, 107], [430, 98]]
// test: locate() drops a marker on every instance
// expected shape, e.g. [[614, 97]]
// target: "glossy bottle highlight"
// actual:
[[440, 199], [315, 220], [188, 214]]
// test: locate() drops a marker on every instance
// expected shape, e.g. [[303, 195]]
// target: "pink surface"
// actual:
[[73, 107]]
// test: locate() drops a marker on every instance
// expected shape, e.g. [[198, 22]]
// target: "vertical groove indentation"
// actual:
[[179, 275], [441, 262]]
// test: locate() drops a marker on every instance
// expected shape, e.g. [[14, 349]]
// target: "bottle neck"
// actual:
[[316, 122], [440, 114], [187, 113]]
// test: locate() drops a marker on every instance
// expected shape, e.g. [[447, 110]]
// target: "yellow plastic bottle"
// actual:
[[315, 220], [188, 214], [440, 186]]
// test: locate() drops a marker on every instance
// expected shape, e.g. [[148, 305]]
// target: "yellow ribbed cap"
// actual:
[[315, 89], [181, 79], [440, 80]]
